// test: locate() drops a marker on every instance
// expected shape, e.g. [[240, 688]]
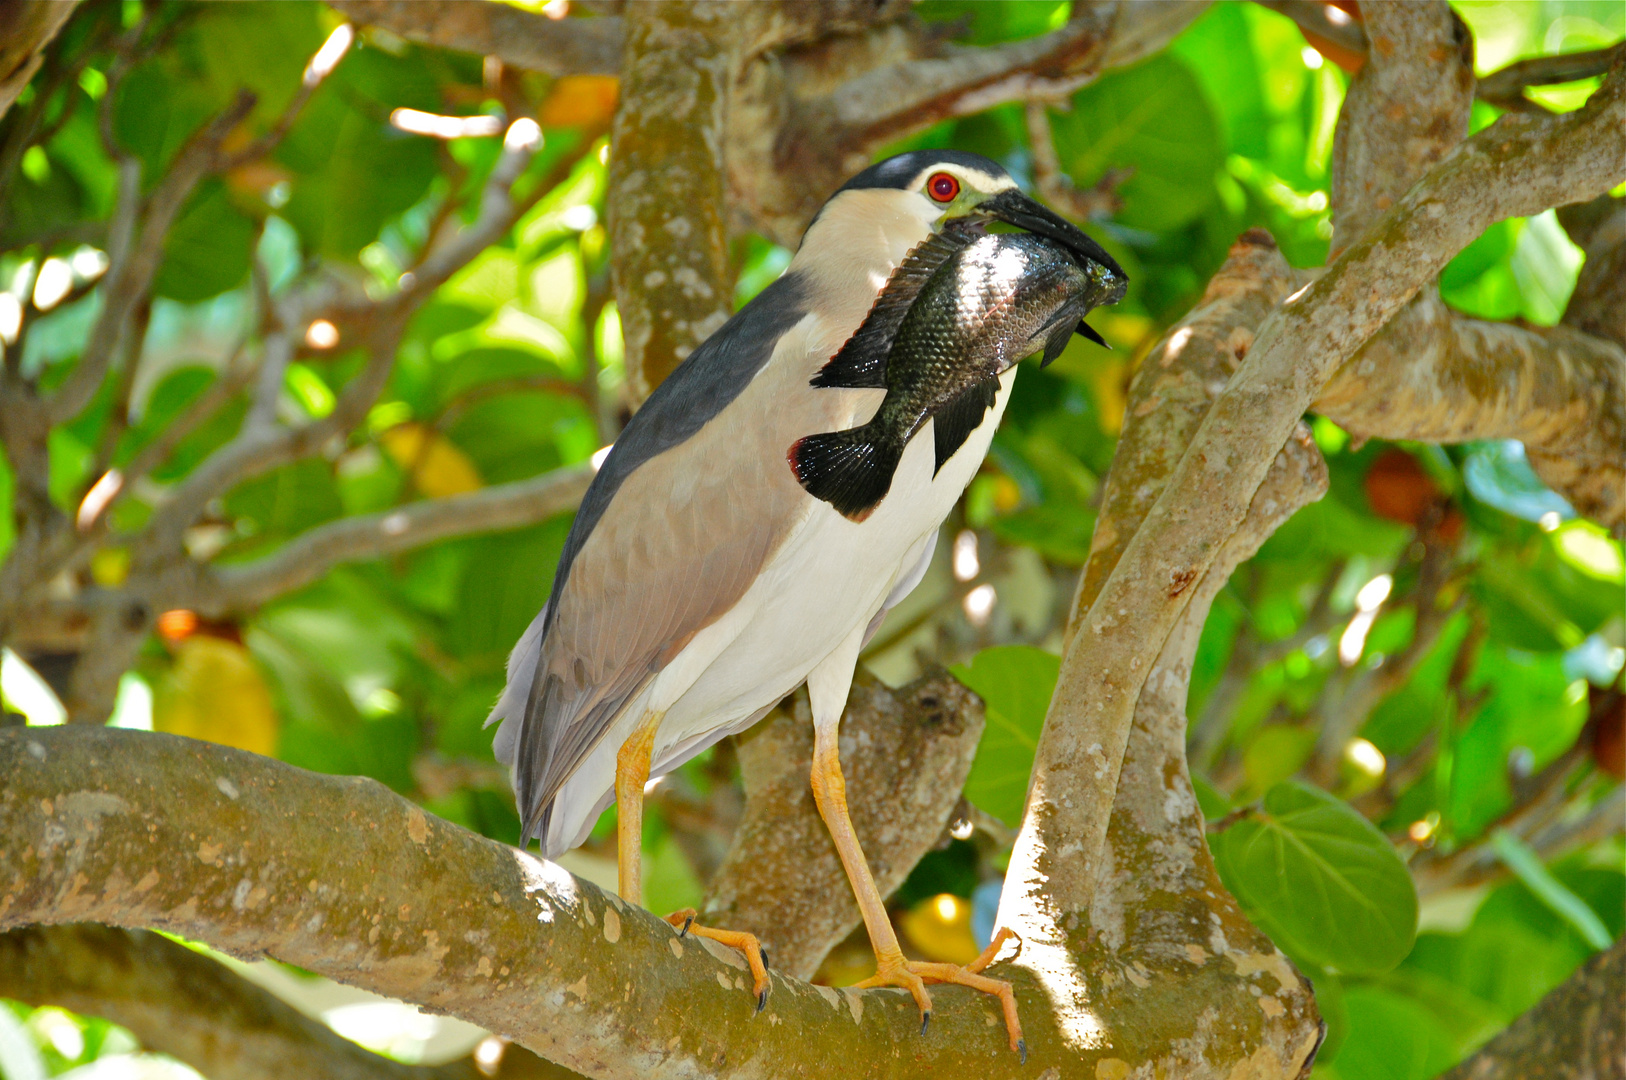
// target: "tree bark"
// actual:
[[1574, 1033], [667, 213]]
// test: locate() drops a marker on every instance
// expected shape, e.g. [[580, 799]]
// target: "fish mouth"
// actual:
[[1015, 208]]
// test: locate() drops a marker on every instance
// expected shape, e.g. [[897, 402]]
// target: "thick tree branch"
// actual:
[[1516, 167], [181, 1003], [1406, 109], [1598, 304], [341, 876], [1574, 1033], [308, 556], [1155, 873], [782, 879], [666, 207], [1434, 375], [524, 39]]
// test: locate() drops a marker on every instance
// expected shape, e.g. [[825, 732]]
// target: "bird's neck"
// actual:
[[858, 240]]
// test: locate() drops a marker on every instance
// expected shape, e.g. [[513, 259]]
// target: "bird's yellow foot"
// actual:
[[915, 975], [756, 957]]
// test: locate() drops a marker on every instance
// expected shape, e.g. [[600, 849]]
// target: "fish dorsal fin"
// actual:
[[861, 362], [955, 421]]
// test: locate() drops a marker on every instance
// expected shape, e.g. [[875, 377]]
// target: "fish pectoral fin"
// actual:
[[954, 422], [1056, 343], [851, 470], [1058, 330]]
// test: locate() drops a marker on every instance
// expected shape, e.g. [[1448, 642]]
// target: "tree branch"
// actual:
[[1406, 109], [1574, 1033], [1154, 857], [782, 879], [1506, 86], [1434, 375], [343, 877], [1595, 306], [25, 30], [308, 556], [665, 202], [181, 1003], [523, 39], [1518, 166]]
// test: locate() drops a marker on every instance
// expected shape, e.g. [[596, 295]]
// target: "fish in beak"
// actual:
[[1109, 279]]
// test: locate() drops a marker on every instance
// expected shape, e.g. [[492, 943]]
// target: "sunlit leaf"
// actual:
[[1152, 117], [1323, 880], [1015, 683]]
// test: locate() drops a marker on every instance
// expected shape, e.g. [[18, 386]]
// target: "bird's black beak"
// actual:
[[1017, 209]]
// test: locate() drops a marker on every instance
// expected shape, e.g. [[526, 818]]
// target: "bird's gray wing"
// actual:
[[681, 517]]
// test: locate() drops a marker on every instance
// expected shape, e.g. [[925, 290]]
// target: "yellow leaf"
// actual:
[[579, 101], [110, 566], [940, 927], [437, 466], [214, 691]]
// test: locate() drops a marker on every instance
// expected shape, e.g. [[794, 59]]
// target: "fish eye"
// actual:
[[943, 187]]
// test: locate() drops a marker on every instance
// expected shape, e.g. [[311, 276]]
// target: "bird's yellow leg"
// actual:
[[891, 969], [631, 774], [632, 763]]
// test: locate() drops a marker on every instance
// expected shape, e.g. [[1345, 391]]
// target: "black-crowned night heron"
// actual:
[[776, 495]]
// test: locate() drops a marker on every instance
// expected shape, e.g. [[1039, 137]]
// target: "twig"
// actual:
[[312, 554], [134, 258], [1505, 87], [1055, 185], [257, 450]]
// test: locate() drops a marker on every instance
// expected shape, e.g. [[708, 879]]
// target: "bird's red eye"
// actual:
[[943, 187]]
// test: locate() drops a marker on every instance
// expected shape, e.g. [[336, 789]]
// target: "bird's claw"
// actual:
[[756, 957], [913, 975]]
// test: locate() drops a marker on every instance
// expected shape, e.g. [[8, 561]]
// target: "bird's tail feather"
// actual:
[[851, 470]]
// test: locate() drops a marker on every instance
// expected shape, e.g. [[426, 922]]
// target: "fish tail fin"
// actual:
[[851, 470]]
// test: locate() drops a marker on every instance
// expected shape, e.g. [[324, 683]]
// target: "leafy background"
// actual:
[[388, 668]]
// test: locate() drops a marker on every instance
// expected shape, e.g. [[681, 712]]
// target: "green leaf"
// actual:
[[1528, 868], [209, 249], [1015, 683], [1152, 117], [1391, 1038], [1325, 883]]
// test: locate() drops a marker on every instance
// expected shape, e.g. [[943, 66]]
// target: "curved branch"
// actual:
[[1574, 1033], [521, 38], [1506, 86], [369, 536], [1519, 166], [1406, 109]]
